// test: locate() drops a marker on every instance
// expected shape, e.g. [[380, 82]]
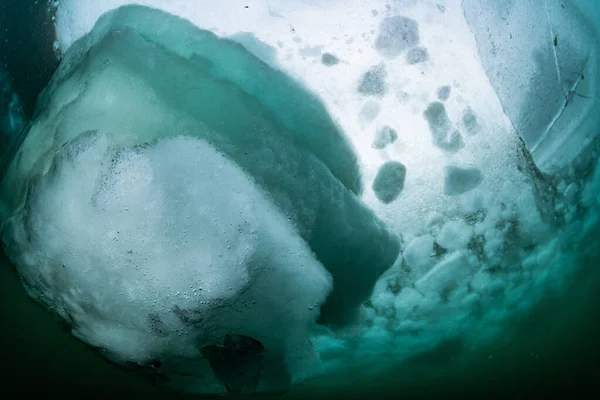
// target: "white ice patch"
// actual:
[[455, 235], [170, 247]]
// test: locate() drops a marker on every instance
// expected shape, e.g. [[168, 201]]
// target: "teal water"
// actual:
[[555, 349]]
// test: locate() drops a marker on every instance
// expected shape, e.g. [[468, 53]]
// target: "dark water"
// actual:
[[555, 350], [26, 37]]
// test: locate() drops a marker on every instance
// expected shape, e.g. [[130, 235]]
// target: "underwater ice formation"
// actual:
[[203, 219], [557, 60], [396, 35], [384, 137], [372, 83], [459, 180], [389, 181], [484, 252]]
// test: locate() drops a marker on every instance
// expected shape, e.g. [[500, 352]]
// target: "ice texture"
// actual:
[[372, 83], [329, 59], [396, 35], [443, 92], [546, 76], [530, 236], [417, 55], [459, 180], [384, 137], [418, 253], [454, 269], [442, 132], [455, 235], [389, 181], [169, 204]]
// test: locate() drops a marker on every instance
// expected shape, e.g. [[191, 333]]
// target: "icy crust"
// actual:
[[176, 200], [154, 252], [552, 100]]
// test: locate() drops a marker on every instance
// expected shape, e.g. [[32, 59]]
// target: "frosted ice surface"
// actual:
[[372, 83], [329, 59], [418, 253], [384, 137], [417, 55], [195, 184], [396, 35], [407, 301], [442, 132], [369, 111], [469, 120], [389, 181], [455, 235], [156, 268], [484, 283], [263, 51], [528, 236], [552, 100], [448, 273], [458, 180], [443, 92]]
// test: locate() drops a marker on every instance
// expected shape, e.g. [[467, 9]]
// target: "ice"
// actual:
[[165, 204], [552, 100], [389, 181], [443, 92], [263, 51], [442, 132], [529, 237], [369, 111], [484, 283], [469, 120], [384, 137], [372, 83], [458, 180], [455, 235], [407, 301], [329, 59], [454, 269], [418, 253], [396, 35], [417, 55], [156, 269]]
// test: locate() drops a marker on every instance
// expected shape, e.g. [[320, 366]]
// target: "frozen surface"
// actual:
[[202, 259], [485, 235], [552, 100], [389, 181], [459, 180], [384, 137], [157, 270]]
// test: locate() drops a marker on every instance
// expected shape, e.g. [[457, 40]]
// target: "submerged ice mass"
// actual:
[[557, 60], [194, 180], [172, 206]]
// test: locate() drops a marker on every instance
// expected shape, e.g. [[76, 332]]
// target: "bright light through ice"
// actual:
[[448, 124]]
